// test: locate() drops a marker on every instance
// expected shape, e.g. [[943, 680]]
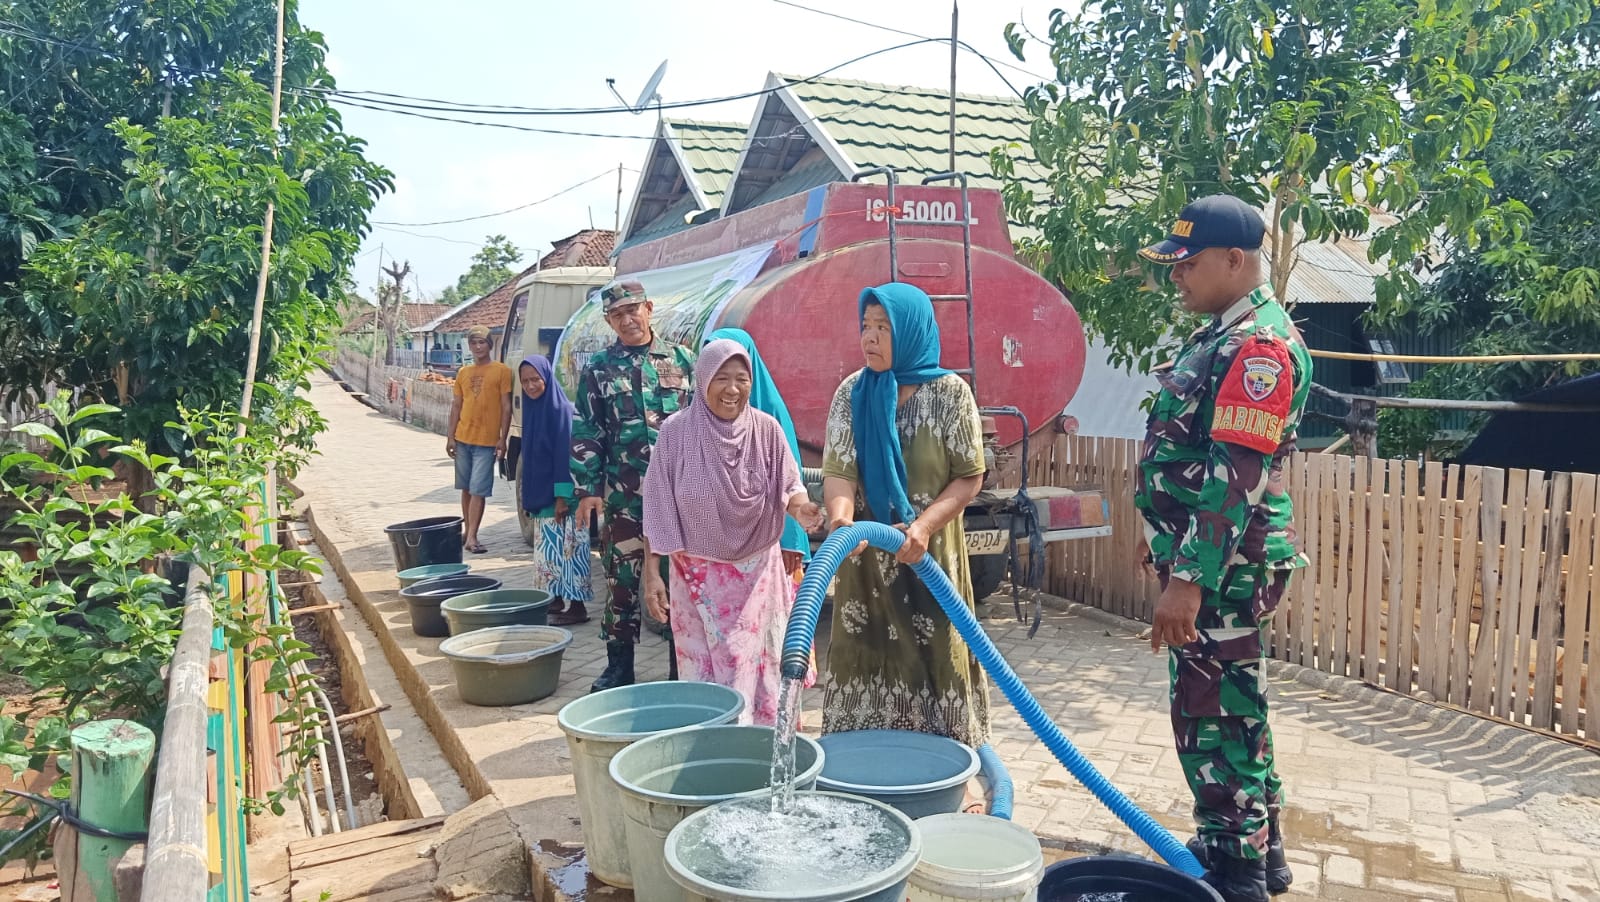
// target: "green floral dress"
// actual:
[[894, 660]]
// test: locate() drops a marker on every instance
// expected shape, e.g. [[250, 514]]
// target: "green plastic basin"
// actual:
[[496, 607], [506, 665]]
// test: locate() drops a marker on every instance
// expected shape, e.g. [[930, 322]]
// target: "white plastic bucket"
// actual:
[[975, 857]]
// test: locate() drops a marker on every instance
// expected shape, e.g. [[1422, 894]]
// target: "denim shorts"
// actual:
[[475, 469]]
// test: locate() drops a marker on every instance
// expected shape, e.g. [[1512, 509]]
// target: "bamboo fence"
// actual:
[[1473, 587]]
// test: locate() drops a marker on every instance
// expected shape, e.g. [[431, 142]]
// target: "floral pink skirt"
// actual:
[[728, 622]]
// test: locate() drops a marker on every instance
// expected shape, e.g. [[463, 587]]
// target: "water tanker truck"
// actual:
[[789, 273]]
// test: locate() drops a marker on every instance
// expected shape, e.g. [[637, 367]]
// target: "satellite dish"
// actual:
[[649, 93]]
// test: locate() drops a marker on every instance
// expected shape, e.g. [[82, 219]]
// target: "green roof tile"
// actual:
[[710, 149], [908, 127]]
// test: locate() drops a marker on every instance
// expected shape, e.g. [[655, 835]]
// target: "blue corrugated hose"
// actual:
[[1000, 789], [803, 626]]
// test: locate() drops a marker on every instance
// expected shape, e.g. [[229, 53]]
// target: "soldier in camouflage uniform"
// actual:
[[624, 392], [1217, 526]]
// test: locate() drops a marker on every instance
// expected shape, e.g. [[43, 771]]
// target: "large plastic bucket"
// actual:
[[918, 773], [670, 776], [599, 726], [431, 540], [1132, 879], [496, 607], [693, 847], [424, 598], [506, 665], [966, 857]]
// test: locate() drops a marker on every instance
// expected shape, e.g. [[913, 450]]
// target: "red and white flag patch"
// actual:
[[1253, 402]]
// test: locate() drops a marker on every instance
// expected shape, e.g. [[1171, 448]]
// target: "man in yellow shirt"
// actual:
[[480, 420]]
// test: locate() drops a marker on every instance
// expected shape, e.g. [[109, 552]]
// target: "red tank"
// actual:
[[828, 244]]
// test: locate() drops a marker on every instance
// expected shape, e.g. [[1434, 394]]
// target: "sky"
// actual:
[[549, 54]]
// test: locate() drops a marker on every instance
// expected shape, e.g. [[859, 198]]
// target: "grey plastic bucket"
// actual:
[[671, 775], [600, 725], [496, 607], [423, 600], [506, 665], [918, 773], [888, 885], [430, 571]]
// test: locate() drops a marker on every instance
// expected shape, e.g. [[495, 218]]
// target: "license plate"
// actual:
[[987, 541]]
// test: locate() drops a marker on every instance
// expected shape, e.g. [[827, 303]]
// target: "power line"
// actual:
[[991, 61], [534, 203], [436, 105]]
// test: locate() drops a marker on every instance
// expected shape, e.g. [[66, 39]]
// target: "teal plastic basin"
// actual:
[[917, 773], [429, 571]]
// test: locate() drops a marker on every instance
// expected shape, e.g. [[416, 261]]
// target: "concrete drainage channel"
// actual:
[[418, 822], [422, 767]]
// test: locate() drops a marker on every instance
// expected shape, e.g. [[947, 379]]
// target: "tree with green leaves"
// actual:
[[1540, 295], [491, 267], [1319, 113], [130, 242]]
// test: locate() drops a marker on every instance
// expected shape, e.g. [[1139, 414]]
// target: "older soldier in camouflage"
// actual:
[[1217, 525], [624, 392]]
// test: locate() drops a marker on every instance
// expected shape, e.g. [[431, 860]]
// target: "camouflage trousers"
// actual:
[[622, 556], [1219, 712]]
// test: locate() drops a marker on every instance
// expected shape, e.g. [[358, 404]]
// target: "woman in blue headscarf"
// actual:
[[904, 447], [561, 552], [764, 397]]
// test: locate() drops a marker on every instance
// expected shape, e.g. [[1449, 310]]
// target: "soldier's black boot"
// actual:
[[619, 667], [1236, 879], [1278, 874]]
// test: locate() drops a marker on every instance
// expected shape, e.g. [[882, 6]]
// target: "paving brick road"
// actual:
[[1389, 799]]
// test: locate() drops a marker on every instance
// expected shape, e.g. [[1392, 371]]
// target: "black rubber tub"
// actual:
[[431, 540], [423, 600], [1121, 878]]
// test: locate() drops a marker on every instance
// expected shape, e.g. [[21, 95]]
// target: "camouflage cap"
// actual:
[[622, 294]]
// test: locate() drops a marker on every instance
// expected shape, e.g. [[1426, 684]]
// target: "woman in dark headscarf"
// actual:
[[904, 447], [720, 484], [561, 554]]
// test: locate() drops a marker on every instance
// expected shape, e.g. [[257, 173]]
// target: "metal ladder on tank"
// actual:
[[970, 371], [1025, 508]]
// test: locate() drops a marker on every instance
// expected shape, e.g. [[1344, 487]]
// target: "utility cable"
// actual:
[[534, 203], [437, 105]]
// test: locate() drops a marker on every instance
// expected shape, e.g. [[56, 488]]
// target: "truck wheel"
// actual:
[[987, 572], [530, 533]]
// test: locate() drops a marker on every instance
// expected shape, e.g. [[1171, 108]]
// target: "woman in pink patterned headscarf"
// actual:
[[721, 481]]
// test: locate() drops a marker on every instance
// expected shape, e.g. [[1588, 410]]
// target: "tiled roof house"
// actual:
[[590, 247]]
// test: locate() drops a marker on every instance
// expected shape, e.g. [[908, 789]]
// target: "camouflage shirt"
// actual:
[[623, 395], [1210, 478]]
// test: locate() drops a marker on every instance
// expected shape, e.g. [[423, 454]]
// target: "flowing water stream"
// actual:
[[782, 778]]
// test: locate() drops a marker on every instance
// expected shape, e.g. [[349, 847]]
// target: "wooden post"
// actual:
[[111, 762]]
